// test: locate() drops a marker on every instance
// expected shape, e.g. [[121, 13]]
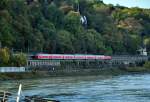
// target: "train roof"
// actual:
[[69, 54]]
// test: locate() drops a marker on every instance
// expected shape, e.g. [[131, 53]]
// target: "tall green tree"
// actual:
[[6, 36], [64, 42], [94, 42], [72, 22], [54, 15], [48, 31], [3, 4]]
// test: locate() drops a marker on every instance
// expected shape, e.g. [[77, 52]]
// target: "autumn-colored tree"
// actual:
[[4, 56]]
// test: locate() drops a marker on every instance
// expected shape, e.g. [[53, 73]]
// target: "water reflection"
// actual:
[[126, 88]]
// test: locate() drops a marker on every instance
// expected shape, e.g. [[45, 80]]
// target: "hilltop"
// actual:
[[54, 26]]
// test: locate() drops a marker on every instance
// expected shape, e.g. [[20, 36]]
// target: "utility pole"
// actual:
[[0, 45], [142, 36], [77, 7], [83, 18], [83, 21]]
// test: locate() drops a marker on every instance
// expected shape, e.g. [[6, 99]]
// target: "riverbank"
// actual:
[[81, 72]]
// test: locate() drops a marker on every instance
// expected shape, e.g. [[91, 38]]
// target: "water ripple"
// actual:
[[126, 88]]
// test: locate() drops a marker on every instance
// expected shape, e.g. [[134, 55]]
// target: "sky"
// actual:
[[130, 3]]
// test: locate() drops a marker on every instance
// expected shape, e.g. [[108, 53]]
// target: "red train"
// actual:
[[72, 57]]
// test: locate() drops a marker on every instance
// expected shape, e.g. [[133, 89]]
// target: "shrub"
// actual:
[[147, 65]]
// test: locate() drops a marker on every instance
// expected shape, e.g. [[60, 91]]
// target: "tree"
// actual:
[[48, 31], [100, 20], [54, 26], [19, 59], [24, 32], [64, 43], [35, 15], [38, 41], [6, 36], [54, 15], [4, 56], [132, 43], [147, 65], [94, 42], [72, 22], [3, 4]]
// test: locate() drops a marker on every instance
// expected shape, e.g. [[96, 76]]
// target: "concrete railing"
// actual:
[[12, 69]]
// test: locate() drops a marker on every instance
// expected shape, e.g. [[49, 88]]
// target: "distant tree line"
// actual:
[[53, 26]]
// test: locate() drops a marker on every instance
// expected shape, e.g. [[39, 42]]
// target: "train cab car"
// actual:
[[70, 57]]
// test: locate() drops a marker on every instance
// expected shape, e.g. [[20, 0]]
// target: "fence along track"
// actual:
[[4, 96]]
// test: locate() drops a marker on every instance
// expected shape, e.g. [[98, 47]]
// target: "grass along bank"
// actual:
[[80, 72]]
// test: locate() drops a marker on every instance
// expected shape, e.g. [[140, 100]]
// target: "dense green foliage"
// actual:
[[9, 59], [147, 65], [54, 26]]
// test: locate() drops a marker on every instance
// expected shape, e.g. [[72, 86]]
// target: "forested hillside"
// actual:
[[54, 26]]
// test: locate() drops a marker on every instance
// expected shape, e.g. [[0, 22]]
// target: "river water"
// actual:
[[124, 88]]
